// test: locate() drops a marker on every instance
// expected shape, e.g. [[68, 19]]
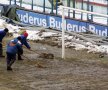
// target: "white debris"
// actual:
[[2, 23], [47, 34], [79, 47], [12, 28], [70, 41]]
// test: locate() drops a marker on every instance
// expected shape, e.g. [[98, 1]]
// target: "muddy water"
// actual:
[[79, 71]]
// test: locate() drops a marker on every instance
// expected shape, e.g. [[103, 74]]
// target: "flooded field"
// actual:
[[79, 71]]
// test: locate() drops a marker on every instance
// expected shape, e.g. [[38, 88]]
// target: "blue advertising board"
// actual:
[[32, 18], [98, 29], [77, 26], [44, 20], [54, 22]]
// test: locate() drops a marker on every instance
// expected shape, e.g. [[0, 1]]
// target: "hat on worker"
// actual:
[[25, 34], [6, 30], [14, 41]]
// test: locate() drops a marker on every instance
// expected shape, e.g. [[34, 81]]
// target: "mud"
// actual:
[[79, 71]]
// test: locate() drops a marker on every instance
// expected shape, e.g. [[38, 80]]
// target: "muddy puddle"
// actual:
[[79, 71]]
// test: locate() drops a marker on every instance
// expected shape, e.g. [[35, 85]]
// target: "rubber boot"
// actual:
[[19, 57], [9, 68]]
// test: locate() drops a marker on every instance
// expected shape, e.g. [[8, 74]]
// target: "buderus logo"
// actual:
[[100, 30], [56, 22], [32, 18]]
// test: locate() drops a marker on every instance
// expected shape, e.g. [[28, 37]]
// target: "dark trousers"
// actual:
[[20, 52], [10, 59], [1, 50]]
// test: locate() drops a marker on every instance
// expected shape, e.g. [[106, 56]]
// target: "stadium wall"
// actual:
[[54, 21]]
